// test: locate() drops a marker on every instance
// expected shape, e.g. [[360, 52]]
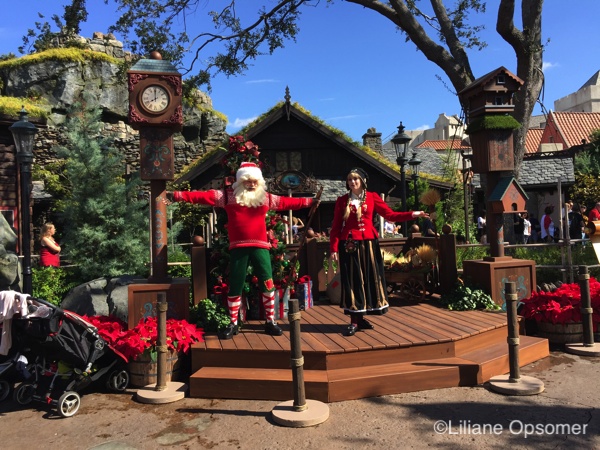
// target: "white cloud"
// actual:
[[423, 127], [240, 123], [549, 65]]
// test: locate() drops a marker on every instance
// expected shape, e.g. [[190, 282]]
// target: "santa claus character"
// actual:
[[246, 205]]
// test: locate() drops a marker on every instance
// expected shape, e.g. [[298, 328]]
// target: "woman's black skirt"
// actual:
[[363, 278]]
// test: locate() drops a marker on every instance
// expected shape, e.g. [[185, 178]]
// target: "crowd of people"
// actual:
[[529, 230]]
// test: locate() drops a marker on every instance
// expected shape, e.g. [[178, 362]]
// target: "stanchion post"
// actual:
[[586, 306], [514, 383], [510, 294], [161, 341], [588, 347], [299, 412], [297, 358], [163, 392]]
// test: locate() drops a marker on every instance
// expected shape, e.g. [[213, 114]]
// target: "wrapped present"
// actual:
[[282, 299], [304, 293]]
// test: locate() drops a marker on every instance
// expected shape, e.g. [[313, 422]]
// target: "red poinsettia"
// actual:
[[562, 305], [142, 339]]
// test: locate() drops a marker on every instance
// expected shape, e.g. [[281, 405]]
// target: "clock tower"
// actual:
[[155, 90]]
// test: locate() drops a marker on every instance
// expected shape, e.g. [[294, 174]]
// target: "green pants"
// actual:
[[261, 263]]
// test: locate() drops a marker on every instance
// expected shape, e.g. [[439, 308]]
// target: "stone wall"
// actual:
[[62, 83]]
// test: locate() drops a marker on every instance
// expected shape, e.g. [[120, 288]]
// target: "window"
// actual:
[[285, 161], [501, 79]]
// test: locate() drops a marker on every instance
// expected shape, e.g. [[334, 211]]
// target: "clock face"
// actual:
[[155, 99]]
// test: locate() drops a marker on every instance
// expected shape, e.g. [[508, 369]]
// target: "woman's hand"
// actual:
[[416, 214], [334, 256]]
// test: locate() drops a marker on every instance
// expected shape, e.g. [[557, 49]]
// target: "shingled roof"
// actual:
[[543, 169], [444, 144], [533, 139], [570, 128]]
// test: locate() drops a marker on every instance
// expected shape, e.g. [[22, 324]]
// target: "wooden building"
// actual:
[[293, 141]]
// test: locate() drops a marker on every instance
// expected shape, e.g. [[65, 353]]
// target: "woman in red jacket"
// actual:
[[354, 243]]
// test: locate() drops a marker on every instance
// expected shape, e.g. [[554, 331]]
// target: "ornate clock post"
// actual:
[[155, 90]]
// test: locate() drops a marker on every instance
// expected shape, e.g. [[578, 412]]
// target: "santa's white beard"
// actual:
[[252, 198]]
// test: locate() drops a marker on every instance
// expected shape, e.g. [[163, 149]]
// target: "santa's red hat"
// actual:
[[249, 170]]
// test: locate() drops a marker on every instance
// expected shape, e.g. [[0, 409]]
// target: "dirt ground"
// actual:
[[565, 415]]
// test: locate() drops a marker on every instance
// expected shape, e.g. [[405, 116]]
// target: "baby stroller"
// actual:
[[57, 353]]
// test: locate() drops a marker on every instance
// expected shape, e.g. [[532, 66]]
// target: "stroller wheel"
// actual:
[[118, 380], [5, 390], [68, 403], [24, 393]]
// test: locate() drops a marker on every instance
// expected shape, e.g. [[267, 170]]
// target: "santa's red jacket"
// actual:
[[363, 229], [246, 225]]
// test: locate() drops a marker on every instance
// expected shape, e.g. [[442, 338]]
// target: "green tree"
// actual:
[[440, 29], [106, 229], [586, 189], [69, 26], [445, 32]]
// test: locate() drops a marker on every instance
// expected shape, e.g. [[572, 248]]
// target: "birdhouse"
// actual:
[[507, 197], [491, 94]]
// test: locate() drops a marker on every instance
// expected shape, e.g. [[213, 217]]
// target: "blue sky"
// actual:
[[352, 69]]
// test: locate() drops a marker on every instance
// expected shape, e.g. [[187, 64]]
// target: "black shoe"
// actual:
[[350, 330], [229, 331], [272, 329], [364, 324]]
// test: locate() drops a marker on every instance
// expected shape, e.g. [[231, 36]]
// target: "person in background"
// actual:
[[49, 248], [577, 227], [246, 204], [536, 230], [594, 214], [547, 225], [481, 227], [526, 228], [519, 227], [354, 243], [297, 225]]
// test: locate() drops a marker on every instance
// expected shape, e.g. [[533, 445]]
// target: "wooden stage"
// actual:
[[412, 348]]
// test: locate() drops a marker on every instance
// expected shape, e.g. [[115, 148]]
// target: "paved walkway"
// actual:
[[564, 416]]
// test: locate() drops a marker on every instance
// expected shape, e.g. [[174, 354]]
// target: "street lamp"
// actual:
[[466, 173], [24, 133], [400, 141], [414, 165]]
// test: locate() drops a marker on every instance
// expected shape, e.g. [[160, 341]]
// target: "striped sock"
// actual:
[[233, 303], [268, 299]]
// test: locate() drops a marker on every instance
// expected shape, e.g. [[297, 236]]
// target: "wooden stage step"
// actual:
[[468, 365]]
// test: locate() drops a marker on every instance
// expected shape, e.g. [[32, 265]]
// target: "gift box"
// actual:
[[282, 302], [304, 293]]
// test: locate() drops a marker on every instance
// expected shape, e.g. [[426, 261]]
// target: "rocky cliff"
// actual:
[[57, 78]]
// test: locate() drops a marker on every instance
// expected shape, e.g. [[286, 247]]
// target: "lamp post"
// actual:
[[466, 173], [414, 165], [24, 133], [400, 141]]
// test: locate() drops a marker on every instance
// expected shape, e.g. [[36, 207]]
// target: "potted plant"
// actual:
[[138, 345], [557, 314]]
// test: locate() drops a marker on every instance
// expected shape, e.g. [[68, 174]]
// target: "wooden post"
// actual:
[[199, 273]]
